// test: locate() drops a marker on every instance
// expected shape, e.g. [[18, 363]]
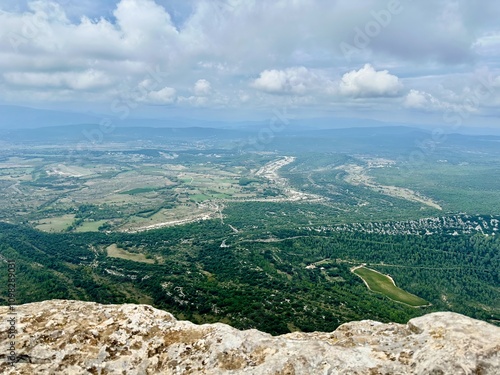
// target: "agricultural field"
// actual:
[[114, 251], [115, 191], [55, 224], [126, 186]]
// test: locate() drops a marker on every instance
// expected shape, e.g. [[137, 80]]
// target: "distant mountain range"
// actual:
[[17, 117]]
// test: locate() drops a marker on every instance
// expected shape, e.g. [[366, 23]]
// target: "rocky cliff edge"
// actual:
[[73, 337]]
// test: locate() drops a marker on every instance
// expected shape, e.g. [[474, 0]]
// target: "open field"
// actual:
[[129, 188], [89, 226], [384, 284], [112, 190], [117, 191], [114, 251], [55, 224]]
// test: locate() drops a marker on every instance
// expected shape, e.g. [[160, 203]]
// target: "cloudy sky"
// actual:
[[425, 61]]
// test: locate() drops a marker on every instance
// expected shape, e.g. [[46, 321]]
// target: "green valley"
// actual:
[[212, 231]]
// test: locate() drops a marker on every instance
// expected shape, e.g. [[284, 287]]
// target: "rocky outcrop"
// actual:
[[71, 337]]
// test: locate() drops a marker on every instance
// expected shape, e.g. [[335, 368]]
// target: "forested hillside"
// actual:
[[281, 282]]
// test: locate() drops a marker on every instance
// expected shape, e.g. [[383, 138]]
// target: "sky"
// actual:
[[425, 61]]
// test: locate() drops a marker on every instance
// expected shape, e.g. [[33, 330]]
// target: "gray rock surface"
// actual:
[[72, 337]]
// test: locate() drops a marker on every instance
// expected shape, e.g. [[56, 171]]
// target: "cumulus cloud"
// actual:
[[367, 82], [295, 80], [195, 101], [149, 91], [166, 95], [202, 87], [418, 99], [143, 21], [421, 100], [85, 50]]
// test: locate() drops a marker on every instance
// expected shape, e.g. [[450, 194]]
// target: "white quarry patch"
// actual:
[[270, 172], [358, 175]]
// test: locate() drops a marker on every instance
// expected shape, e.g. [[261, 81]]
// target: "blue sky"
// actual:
[[397, 60]]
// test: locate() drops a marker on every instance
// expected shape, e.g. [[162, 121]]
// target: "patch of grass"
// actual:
[[199, 197], [142, 190], [56, 224], [381, 283], [114, 251], [292, 327], [90, 226], [220, 195], [244, 181]]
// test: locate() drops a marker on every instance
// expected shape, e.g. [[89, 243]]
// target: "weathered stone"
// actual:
[[71, 337]]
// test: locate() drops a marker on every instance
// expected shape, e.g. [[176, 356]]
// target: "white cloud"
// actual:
[[166, 95], [57, 53], [78, 81], [202, 87], [295, 80], [418, 99], [144, 20], [367, 82], [426, 102], [195, 101]]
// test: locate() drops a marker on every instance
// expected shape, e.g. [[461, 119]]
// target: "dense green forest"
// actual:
[[262, 282]]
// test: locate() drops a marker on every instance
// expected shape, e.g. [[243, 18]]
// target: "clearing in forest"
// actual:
[[116, 252], [380, 283]]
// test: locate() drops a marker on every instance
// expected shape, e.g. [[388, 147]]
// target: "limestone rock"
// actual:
[[72, 337]]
